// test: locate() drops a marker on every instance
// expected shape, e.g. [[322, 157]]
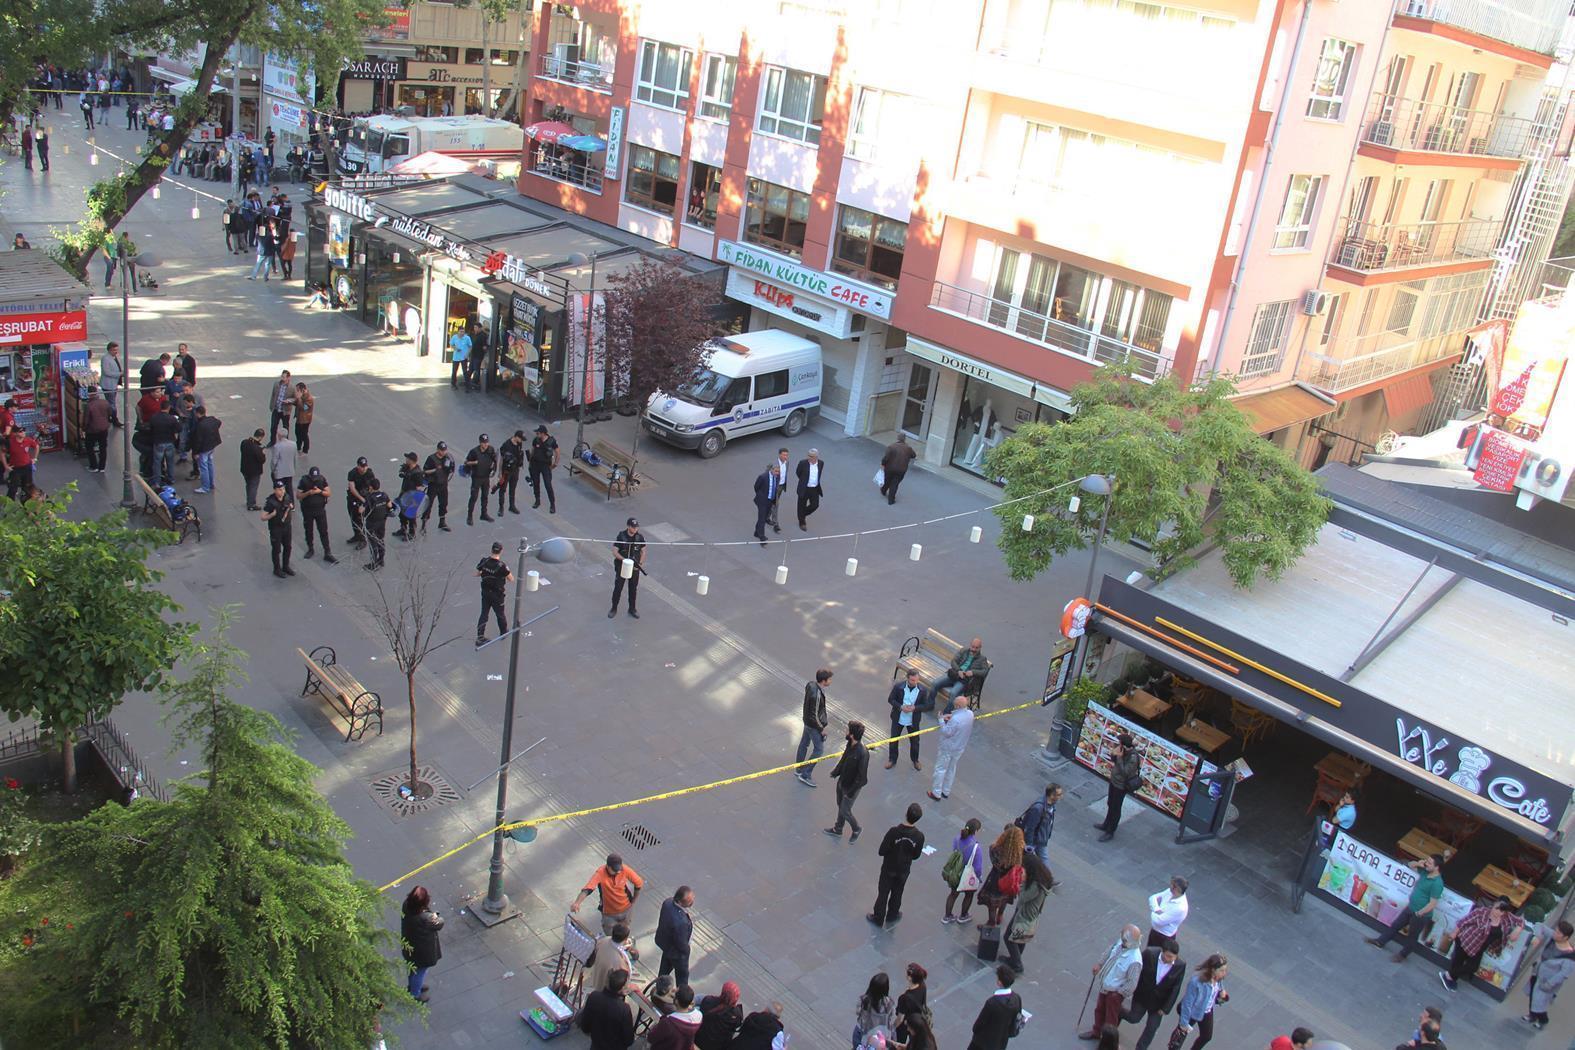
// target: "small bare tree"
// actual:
[[408, 615]]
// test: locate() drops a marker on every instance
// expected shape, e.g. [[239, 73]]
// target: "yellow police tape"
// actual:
[[555, 817]]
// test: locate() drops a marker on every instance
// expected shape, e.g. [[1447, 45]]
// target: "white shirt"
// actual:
[[1161, 968], [169, 122], [814, 474], [1167, 913], [956, 730], [910, 696]]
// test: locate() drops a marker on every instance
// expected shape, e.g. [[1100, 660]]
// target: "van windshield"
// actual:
[[704, 388]]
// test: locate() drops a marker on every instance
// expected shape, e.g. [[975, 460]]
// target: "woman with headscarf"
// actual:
[[720, 1017], [1037, 883]]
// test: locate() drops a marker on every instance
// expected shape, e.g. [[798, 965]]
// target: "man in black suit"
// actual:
[[993, 1027], [1159, 985], [767, 487], [851, 773], [811, 475], [674, 930], [606, 1017], [909, 699]]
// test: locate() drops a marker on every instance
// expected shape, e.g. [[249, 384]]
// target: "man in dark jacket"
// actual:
[[908, 699], [811, 473], [993, 1027], [204, 439], [768, 486], [815, 723], [606, 1017], [898, 850], [511, 458], [894, 461], [1124, 778], [481, 462], [967, 669], [164, 429], [1159, 985], [358, 487], [759, 1030], [851, 773], [674, 928], [439, 468], [1038, 822], [253, 460], [154, 371]]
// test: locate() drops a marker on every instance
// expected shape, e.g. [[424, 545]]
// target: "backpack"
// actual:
[[952, 872], [1012, 882]]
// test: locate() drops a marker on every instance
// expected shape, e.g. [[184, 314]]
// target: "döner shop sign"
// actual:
[[856, 295]]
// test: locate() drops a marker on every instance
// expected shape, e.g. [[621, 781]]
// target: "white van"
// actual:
[[768, 380]]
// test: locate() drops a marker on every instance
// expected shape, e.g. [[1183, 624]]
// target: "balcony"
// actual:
[[561, 166], [581, 74], [1429, 127], [1352, 361], [1530, 24], [1047, 331], [1370, 247]]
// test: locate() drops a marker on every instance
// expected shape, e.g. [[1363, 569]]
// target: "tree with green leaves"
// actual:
[[1187, 466], [84, 622], [227, 917]]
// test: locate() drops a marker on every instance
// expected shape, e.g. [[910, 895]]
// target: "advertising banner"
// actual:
[[1534, 364], [1167, 768], [339, 239], [586, 379], [69, 327]]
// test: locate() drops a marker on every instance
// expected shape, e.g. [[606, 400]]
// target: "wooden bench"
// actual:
[[357, 704], [614, 475], [931, 654], [152, 505]]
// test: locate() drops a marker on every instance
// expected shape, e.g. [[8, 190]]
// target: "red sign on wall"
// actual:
[[69, 327], [1499, 462]]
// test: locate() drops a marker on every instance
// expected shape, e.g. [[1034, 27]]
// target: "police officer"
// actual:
[[411, 479], [481, 462], [358, 484], [313, 493], [511, 457], [276, 512], [543, 461], [495, 577], [630, 543], [438, 468], [378, 507]]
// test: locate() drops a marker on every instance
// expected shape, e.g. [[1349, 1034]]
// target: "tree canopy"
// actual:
[[1187, 467]]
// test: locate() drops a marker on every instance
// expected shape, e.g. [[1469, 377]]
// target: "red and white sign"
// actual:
[[1499, 462], [69, 327]]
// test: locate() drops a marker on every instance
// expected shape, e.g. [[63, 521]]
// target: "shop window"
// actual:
[[653, 179], [499, 58], [437, 53], [663, 78], [795, 104], [869, 246], [776, 217], [772, 384], [716, 86]]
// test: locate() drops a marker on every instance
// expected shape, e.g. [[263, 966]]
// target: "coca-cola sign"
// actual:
[[68, 327]]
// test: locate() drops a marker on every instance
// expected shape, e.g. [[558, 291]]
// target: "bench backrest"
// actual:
[[610, 454], [939, 644]]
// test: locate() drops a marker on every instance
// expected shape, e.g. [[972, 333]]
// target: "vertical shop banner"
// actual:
[[50, 417], [586, 379], [338, 239], [524, 334], [1167, 769]]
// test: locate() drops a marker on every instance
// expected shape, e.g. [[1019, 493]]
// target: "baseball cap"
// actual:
[[542, 429], [483, 437], [278, 483], [634, 522], [442, 446], [519, 433], [314, 473], [497, 548], [361, 462], [411, 455]]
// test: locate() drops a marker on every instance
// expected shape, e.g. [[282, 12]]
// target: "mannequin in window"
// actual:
[[981, 431]]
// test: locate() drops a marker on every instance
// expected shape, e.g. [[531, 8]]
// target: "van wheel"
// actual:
[[795, 424], [711, 444]]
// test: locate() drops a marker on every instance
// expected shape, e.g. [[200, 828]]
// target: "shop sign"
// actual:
[[435, 74], [506, 267], [970, 367], [47, 306], [416, 231], [614, 143], [286, 115], [398, 27], [829, 318], [44, 328], [864, 298], [282, 79], [374, 69], [527, 318], [350, 203], [1166, 769]]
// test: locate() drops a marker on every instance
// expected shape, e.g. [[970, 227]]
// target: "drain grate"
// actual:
[[386, 789], [639, 836]]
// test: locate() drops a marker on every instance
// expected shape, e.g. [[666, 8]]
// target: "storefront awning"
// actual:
[[1408, 395], [1274, 410]]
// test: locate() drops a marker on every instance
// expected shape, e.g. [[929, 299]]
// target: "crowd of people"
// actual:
[[264, 227]]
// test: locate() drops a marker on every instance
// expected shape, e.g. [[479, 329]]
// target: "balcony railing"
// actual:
[[1047, 331], [1531, 24], [1352, 361], [1371, 247], [561, 169], [1430, 127], [585, 74]]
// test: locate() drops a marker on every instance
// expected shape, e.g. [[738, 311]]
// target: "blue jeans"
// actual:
[[109, 269], [810, 737], [205, 470], [163, 465], [1042, 852], [263, 263], [418, 977]]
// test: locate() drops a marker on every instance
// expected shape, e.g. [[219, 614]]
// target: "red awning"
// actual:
[[549, 131], [1408, 395]]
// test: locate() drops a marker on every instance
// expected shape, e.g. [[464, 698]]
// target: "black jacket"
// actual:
[[512, 455], [607, 1020], [152, 373], [163, 428], [253, 458], [815, 706], [1161, 999], [438, 470], [852, 770], [925, 701], [718, 1023], [764, 497], [802, 470], [482, 463], [420, 932], [900, 848], [205, 434], [993, 1027], [757, 1031], [674, 928]]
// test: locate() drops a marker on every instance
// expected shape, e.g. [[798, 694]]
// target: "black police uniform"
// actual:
[[494, 582], [411, 478], [378, 508], [542, 450], [438, 468], [357, 484], [314, 511], [627, 546], [511, 457], [482, 463], [279, 532]]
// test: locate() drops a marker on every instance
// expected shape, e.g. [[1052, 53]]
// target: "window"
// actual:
[[776, 216], [653, 179], [881, 116], [716, 86], [1082, 161], [499, 58], [1296, 216], [1336, 61], [436, 53], [869, 246], [772, 384], [663, 78], [705, 189], [795, 104], [1271, 324], [1331, 320]]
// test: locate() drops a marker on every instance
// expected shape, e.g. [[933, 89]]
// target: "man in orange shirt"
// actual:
[[618, 887]]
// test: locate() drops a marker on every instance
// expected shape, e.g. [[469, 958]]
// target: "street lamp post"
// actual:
[[1094, 485], [147, 262], [580, 259]]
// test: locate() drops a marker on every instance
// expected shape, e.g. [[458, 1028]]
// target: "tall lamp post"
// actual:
[[146, 262], [495, 908], [1094, 485], [580, 259]]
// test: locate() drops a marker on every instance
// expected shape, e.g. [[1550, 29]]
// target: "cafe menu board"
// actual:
[[1167, 768], [1359, 877]]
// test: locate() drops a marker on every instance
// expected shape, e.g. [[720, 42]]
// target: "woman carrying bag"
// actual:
[[1005, 880], [1037, 884], [873, 1015], [1204, 991], [964, 871]]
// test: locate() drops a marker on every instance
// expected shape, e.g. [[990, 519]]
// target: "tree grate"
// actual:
[[386, 790], [639, 836]]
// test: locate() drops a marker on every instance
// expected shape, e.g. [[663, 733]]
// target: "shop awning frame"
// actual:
[[1272, 410]]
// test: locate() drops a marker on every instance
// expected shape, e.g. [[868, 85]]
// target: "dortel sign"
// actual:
[[856, 295]]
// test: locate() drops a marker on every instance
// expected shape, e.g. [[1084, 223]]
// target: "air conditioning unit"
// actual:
[[1315, 303]]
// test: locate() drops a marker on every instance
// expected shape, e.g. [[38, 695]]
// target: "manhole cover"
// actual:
[[435, 791], [639, 836]]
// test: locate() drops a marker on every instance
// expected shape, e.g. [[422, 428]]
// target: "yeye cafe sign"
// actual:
[[862, 297]]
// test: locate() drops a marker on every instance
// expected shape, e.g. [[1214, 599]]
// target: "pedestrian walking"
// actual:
[[874, 1012], [276, 511], [628, 545], [908, 700], [495, 576], [1158, 988], [968, 670], [1037, 884], [378, 508], [254, 458], [358, 487], [1000, 1017], [1431, 1015], [511, 458], [1428, 1035], [903, 844], [419, 930], [27, 147], [894, 466], [164, 430], [720, 1018], [41, 144], [1204, 992], [815, 721], [676, 1031], [481, 463], [617, 887], [205, 440], [230, 219], [1005, 879], [784, 466], [1425, 895], [605, 1016], [543, 461], [286, 252], [95, 430], [811, 474], [280, 404], [851, 773], [1125, 777], [412, 493], [1038, 822], [313, 495], [108, 252], [955, 730], [1167, 910], [459, 359], [267, 251], [282, 460], [439, 468], [1116, 979], [1552, 968], [964, 872], [1485, 928], [768, 487], [305, 404], [85, 104], [111, 373], [674, 930]]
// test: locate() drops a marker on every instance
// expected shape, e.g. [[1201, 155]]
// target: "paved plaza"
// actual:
[[699, 689]]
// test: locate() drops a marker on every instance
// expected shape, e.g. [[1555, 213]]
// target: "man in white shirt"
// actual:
[[1167, 910], [810, 472], [956, 728]]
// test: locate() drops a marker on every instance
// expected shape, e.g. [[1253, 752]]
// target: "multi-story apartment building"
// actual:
[[436, 59], [973, 205]]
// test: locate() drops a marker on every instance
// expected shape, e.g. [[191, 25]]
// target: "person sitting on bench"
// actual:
[[967, 669]]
